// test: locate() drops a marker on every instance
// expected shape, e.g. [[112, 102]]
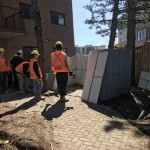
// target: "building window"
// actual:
[[27, 9], [88, 48], [57, 18], [141, 35]]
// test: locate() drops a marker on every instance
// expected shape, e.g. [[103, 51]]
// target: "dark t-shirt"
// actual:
[[26, 70], [36, 70], [15, 61]]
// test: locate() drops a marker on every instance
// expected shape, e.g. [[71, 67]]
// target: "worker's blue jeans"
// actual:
[[38, 86], [3, 81]]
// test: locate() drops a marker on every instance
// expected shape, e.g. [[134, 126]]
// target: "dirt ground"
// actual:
[[131, 106], [23, 128]]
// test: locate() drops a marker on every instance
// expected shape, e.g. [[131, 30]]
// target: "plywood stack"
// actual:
[[95, 71]]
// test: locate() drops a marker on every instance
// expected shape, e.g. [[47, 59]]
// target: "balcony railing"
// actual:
[[11, 18]]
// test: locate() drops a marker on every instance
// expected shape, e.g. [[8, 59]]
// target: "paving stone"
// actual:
[[97, 144], [88, 143], [82, 147], [91, 148], [78, 143], [102, 147], [117, 144]]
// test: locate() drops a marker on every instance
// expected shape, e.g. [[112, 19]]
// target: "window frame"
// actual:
[[58, 13], [142, 35]]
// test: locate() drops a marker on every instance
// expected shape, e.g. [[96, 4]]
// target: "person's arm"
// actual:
[[35, 67], [25, 70], [66, 63]]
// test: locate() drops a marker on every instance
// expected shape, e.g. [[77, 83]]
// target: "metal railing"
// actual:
[[11, 18]]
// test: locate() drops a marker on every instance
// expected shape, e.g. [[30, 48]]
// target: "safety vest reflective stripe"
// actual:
[[58, 59], [19, 68], [58, 62], [31, 70], [3, 66]]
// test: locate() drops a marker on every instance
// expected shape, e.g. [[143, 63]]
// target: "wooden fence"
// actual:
[[142, 60]]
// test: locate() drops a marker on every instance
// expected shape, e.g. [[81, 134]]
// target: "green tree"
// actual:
[[108, 15], [104, 17]]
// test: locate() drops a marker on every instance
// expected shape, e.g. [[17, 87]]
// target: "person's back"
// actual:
[[16, 60], [60, 67]]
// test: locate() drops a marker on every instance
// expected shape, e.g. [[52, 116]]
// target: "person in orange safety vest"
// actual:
[[36, 75], [21, 68], [3, 72], [10, 75], [60, 67]]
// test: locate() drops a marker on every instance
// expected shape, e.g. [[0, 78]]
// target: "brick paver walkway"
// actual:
[[83, 126]]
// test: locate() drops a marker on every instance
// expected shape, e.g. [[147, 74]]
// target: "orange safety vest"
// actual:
[[58, 62], [3, 66], [31, 70], [19, 68]]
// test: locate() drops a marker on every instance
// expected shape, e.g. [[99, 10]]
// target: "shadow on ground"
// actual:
[[129, 109], [142, 126], [13, 96], [24, 106], [17, 143], [104, 110], [112, 125], [54, 111], [74, 87]]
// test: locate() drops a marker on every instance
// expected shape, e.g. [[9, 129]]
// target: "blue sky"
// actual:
[[83, 35]]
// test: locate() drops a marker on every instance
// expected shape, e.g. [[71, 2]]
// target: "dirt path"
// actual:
[[76, 125]]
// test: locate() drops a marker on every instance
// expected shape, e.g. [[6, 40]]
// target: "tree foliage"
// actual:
[[101, 14]]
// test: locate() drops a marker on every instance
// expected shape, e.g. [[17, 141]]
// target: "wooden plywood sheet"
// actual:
[[101, 63], [95, 88], [89, 76], [95, 72]]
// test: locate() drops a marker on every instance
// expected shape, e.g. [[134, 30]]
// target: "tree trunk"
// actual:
[[39, 37], [131, 35], [114, 24]]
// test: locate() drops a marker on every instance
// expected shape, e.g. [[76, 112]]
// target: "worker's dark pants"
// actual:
[[16, 81], [3, 81], [62, 79], [10, 79]]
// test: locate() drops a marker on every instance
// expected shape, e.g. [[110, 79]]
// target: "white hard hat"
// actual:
[[20, 51]]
